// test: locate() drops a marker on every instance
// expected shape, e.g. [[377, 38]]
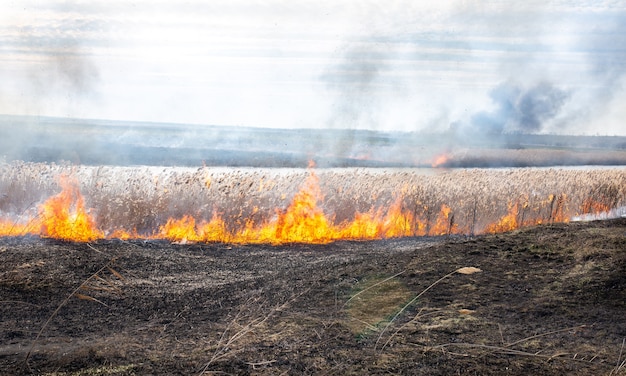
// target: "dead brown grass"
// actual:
[[374, 302]]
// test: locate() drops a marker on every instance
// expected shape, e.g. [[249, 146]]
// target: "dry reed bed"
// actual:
[[143, 198]]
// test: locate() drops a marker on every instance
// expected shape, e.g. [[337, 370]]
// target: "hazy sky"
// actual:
[[539, 66]]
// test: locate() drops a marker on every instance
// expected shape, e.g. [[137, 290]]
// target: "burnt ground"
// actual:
[[549, 300]]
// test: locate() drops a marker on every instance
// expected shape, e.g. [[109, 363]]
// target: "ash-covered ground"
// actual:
[[549, 300]]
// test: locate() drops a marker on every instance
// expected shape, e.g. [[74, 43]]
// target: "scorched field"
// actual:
[[146, 270]]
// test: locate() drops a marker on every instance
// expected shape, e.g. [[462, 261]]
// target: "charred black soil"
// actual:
[[549, 300]]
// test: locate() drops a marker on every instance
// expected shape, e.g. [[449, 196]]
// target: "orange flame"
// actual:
[[514, 220], [303, 221], [506, 223], [11, 228], [64, 216], [440, 160], [444, 224], [591, 206]]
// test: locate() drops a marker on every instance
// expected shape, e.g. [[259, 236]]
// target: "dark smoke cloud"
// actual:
[[517, 109], [545, 86]]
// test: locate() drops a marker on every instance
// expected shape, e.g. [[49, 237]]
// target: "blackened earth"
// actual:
[[549, 300]]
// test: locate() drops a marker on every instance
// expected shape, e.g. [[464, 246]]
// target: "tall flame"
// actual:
[[64, 216], [303, 221]]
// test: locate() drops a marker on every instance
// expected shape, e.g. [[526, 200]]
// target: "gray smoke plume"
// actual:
[[55, 68], [358, 84], [64, 66], [517, 109]]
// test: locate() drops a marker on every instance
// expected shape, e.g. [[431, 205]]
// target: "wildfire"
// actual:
[[508, 222], [303, 221], [441, 160], [10, 228], [64, 216], [591, 206]]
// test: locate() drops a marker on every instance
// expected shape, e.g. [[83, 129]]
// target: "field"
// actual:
[[150, 249], [548, 300], [147, 202]]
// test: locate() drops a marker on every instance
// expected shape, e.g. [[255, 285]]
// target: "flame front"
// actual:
[[506, 223], [303, 221], [64, 216]]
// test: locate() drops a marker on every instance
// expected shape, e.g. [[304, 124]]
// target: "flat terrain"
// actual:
[[124, 143], [549, 300]]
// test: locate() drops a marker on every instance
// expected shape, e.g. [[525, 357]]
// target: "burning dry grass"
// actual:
[[254, 205]]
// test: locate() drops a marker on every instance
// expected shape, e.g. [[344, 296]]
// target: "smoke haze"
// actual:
[[368, 70], [517, 110]]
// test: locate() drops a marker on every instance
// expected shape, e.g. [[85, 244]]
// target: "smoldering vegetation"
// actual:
[[143, 198]]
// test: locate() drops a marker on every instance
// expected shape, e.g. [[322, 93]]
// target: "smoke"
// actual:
[[517, 109], [49, 70], [64, 68], [53, 65], [471, 67], [606, 44], [357, 85]]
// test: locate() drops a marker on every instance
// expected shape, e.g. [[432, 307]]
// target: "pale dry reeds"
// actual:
[[141, 199]]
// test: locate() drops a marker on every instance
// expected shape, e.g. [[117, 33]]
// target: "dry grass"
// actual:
[[104, 280], [98, 371], [143, 198], [620, 367], [375, 302], [467, 270]]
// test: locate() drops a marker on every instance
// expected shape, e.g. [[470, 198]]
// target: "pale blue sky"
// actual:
[[541, 66]]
